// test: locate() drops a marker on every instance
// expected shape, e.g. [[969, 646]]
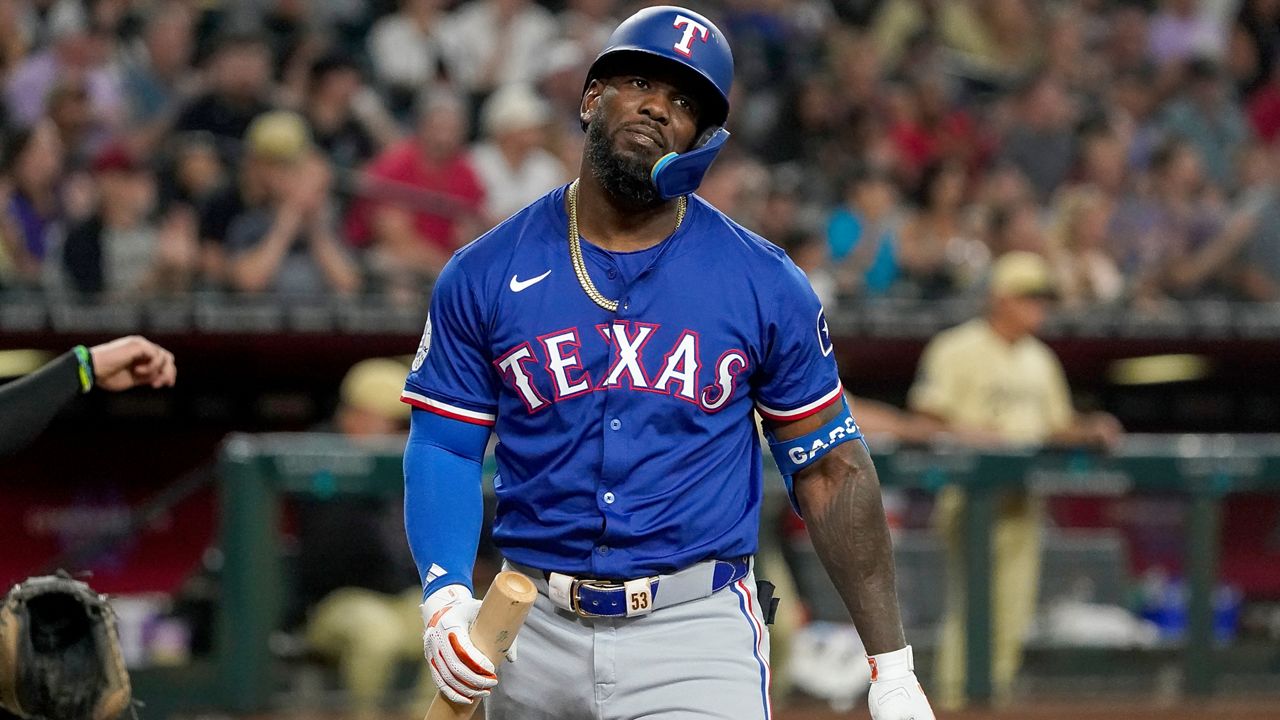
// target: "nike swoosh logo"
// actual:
[[518, 285]]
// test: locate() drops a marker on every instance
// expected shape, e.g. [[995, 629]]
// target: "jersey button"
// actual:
[[603, 549], [611, 273], [615, 424], [608, 498]]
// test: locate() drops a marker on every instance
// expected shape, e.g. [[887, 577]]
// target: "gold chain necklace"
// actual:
[[575, 248]]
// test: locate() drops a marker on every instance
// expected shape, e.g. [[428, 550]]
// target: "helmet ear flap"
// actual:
[[680, 174]]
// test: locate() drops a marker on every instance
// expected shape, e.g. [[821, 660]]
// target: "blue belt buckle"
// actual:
[[575, 598]]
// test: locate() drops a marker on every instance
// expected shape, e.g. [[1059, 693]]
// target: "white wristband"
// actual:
[[441, 598], [892, 665]]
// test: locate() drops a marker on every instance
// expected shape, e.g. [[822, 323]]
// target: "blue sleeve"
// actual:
[[798, 374], [452, 373], [443, 498]]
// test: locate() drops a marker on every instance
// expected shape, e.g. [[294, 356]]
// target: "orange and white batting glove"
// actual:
[[895, 692], [460, 670]]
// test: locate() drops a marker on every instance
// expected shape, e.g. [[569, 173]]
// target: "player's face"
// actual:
[[632, 120], [1027, 313], [645, 115]]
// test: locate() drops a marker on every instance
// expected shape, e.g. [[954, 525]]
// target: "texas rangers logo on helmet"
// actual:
[[691, 28]]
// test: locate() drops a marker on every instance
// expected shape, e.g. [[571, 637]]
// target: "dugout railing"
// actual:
[[257, 470]]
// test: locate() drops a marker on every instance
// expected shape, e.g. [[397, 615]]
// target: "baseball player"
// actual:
[[619, 334]]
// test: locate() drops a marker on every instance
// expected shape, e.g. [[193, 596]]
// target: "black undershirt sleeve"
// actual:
[[28, 405]]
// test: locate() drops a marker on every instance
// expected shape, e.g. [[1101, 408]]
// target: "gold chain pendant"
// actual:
[[575, 248]]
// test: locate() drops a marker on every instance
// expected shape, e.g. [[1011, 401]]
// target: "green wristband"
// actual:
[[86, 368]]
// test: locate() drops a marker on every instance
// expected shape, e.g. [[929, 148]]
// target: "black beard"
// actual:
[[625, 179]]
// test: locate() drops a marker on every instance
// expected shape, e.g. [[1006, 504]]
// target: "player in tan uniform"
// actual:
[[993, 383]]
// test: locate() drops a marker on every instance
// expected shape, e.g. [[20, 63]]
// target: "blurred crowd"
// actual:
[[894, 147]]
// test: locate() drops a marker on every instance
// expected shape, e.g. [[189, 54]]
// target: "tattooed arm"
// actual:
[[840, 498]]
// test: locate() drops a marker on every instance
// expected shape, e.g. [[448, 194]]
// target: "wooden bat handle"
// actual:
[[501, 614]]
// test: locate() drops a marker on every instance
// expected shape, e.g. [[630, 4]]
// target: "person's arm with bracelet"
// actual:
[[28, 405]]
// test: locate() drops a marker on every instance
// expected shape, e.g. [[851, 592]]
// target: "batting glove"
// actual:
[[895, 692], [460, 670]]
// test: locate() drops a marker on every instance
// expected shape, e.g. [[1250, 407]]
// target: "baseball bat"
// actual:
[[501, 614]]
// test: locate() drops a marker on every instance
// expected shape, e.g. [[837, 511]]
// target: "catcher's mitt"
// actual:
[[59, 652]]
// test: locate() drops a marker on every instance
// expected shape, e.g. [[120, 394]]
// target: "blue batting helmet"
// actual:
[[683, 37]]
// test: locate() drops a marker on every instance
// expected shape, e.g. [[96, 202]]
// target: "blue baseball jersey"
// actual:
[[627, 444]]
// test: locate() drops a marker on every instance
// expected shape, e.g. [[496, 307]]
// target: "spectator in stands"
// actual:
[[1153, 230], [1263, 108], [1244, 259], [862, 234], [246, 190], [785, 209], [196, 173], [1260, 21], [290, 244], [361, 599], [69, 111], [421, 198], [587, 24], [1068, 55], [561, 87], [737, 185], [1132, 105], [1185, 29], [239, 75], [32, 160], [514, 167], [999, 42], [191, 176], [1015, 228], [335, 128], [810, 126], [854, 63], [70, 56], [810, 252], [1085, 273], [992, 383], [937, 233], [1000, 186], [491, 42], [1240, 62], [912, 145], [1224, 253], [406, 54], [1206, 116], [121, 250], [158, 79], [1041, 142], [289, 28], [951, 133], [13, 44], [1103, 161]]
